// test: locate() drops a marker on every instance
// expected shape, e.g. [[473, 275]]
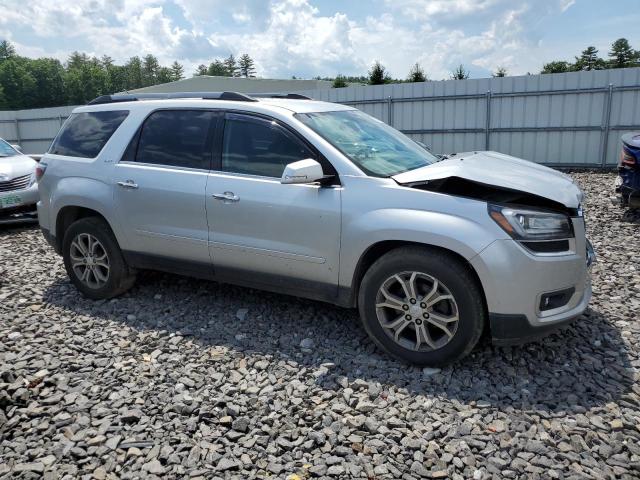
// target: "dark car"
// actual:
[[628, 181]]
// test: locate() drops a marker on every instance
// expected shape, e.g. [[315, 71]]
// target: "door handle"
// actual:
[[128, 184], [226, 196]]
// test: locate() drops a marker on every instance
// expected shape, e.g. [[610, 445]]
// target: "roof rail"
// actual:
[[290, 96], [133, 97]]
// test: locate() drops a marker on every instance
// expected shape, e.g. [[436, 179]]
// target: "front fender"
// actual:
[[458, 234]]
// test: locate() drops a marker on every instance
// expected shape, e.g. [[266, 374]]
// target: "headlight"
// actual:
[[524, 224]]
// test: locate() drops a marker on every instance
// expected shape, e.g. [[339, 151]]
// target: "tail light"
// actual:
[[627, 158], [40, 169]]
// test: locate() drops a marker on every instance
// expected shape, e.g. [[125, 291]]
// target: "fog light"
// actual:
[[556, 299]]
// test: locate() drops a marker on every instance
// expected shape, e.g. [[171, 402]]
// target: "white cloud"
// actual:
[[291, 37]]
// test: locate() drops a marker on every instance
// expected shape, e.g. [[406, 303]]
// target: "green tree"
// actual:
[[378, 74], [164, 75], [48, 74], [246, 66], [589, 60], [460, 73], [557, 66], [150, 67], [231, 66], [217, 68], [7, 50], [17, 83], [177, 71], [622, 55], [3, 100], [500, 72], [339, 82], [133, 70], [84, 82], [200, 70], [416, 74]]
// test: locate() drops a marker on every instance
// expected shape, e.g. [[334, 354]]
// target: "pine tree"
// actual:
[[177, 72], [622, 55], [150, 67], [378, 74], [416, 74], [246, 66], [589, 60], [201, 70], [231, 66], [460, 73]]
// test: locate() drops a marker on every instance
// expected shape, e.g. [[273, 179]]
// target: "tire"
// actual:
[[438, 346], [113, 276]]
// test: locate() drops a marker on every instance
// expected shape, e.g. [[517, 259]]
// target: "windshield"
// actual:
[[7, 150], [375, 147]]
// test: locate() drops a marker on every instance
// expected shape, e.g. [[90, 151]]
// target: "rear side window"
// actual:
[[259, 147], [176, 138], [85, 134]]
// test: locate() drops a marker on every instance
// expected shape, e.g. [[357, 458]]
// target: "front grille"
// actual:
[[18, 183]]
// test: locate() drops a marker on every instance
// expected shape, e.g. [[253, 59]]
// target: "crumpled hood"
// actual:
[[500, 170], [16, 166]]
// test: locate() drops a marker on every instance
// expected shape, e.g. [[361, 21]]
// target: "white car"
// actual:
[[18, 186]]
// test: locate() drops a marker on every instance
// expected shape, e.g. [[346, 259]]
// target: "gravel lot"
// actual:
[[188, 378]]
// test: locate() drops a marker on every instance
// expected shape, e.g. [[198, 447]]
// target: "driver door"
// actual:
[[262, 232]]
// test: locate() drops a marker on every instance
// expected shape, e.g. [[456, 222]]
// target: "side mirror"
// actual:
[[17, 147], [302, 171]]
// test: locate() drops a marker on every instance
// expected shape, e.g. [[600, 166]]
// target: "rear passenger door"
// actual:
[[159, 189], [264, 233]]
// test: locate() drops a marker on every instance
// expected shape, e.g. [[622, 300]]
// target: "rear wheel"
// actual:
[[422, 306], [94, 261]]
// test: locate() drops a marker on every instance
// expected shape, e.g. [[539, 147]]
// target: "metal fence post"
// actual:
[[18, 137], [606, 128], [487, 131], [390, 111]]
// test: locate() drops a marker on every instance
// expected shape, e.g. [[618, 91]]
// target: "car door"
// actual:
[[159, 189], [264, 233]]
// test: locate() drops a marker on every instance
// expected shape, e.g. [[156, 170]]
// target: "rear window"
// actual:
[[85, 134]]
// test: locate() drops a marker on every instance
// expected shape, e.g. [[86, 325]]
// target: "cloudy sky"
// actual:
[[325, 37]]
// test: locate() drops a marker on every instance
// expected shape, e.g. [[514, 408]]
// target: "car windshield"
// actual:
[[7, 150], [375, 147]]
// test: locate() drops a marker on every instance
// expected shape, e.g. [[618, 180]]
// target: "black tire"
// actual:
[[451, 273], [120, 277]]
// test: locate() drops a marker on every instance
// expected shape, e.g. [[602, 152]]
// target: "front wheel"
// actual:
[[94, 261], [422, 306]]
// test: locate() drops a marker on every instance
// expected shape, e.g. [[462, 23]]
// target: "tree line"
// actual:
[[47, 82], [621, 55]]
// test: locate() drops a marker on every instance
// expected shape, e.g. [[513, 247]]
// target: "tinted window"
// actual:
[[177, 138], [259, 147], [84, 134]]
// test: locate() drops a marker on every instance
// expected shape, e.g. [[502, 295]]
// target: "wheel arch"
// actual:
[[378, 249], [69, 214]]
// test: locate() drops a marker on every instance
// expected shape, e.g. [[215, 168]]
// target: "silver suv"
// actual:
[[320, 201]]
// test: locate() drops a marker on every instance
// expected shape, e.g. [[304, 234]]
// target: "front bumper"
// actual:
[[24, 210], [516, 282]]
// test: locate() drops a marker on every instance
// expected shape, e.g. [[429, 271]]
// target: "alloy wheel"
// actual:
[[417, 311], [89, 260]]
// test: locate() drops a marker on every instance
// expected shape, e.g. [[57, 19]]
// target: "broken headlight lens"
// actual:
[[524, 224]]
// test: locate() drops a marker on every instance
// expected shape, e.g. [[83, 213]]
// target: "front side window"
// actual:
[[256, 146], [176, 138], [375, 147], [85, 134]]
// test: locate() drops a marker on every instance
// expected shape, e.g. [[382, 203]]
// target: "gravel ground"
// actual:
[[188, 378]]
